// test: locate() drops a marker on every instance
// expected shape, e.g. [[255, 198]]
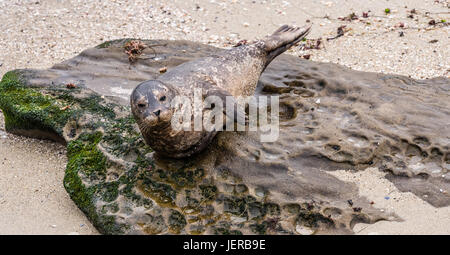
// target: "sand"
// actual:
[[32, 197], [418, 216], [38, 34]]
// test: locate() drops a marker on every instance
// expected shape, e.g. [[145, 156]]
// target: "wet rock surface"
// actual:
[[331, 118]]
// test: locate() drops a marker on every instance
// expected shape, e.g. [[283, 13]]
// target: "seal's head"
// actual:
[[150, 104]]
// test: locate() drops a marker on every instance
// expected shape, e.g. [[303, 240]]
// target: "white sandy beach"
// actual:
[[40, 33]]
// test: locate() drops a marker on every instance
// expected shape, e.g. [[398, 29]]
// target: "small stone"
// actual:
[[357, 209], [302, 230], [237, 220], [306, 56], [163, 70], [71, 86], [350, 202], [260, 192]]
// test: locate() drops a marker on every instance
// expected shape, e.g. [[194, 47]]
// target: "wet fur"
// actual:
[[235, 72]]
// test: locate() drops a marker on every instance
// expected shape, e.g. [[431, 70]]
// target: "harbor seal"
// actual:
[[232, 73]]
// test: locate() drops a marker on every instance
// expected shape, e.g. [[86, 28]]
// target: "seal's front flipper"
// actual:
[[284, 38], [234, 111]]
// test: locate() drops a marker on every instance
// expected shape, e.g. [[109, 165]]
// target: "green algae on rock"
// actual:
[[27, 109], [238, 186]]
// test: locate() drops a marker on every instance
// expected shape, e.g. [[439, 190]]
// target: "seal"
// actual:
[[234, 73]]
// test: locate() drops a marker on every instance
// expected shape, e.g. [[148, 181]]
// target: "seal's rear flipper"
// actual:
[[284, 38]]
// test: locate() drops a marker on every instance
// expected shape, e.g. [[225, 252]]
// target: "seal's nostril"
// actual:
[[157, 112]]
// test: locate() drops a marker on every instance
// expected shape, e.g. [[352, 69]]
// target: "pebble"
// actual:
[[163, 70], [303, 230], [237, 220]]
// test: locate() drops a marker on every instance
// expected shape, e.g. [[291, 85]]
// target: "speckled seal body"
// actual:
[[233, 73]]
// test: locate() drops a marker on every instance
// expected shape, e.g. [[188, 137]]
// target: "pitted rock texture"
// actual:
[[331, 118]]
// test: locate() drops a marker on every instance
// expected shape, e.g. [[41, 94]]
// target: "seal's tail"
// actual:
[[284, 38]]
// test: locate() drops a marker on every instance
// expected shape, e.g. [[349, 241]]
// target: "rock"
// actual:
[[303, 230], [239, 185]]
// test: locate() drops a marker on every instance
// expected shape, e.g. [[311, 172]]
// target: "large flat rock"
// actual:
[[331, 118]]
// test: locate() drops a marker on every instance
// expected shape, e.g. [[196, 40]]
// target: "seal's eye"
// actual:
[[141, 105], [163, 98]]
